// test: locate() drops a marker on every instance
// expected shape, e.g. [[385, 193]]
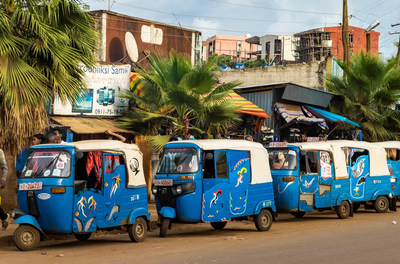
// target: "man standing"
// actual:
[[3, 177]]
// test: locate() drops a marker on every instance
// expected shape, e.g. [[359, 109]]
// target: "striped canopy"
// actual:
[[246, 107]]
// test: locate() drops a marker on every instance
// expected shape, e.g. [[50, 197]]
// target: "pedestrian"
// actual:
[[59, 134], [248, 138], [38, 139], [53, 139], [5, 218]]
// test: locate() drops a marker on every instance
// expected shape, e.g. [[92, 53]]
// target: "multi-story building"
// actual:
[[316, 44], [234, 46], [125, 37], [275, 48]]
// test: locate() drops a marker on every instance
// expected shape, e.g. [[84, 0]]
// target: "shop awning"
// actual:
[[88, 125], [331, 117], [246, 107], [293, 113]]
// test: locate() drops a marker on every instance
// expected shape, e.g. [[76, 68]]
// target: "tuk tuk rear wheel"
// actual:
[[381, 204], [138, 230], [26, 237], [343, 210], [164, 226], [218, 225], [82, 237], [263, 220]]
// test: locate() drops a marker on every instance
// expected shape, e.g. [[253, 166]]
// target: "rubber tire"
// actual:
[[298, 214], [26, 237], [82, 237], [164, 226], [356, 206], [138, 230], [343, 210], [218, 225], [263, 220], [381, 204]]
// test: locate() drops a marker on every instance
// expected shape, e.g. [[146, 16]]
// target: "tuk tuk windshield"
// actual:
[[282, 159], [179, 160], [47, 163]]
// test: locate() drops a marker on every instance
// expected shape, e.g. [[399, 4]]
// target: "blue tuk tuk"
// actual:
[[214, 181], [79, 188], [310, 176], [371, 183], [392, 149]]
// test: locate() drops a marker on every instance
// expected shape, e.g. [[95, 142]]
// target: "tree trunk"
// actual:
[[9, 193], [146, 149]]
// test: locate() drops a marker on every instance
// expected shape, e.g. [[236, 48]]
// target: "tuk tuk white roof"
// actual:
[[389, 144], [260, 171], [339, 157], [377, 154], [131, 152]]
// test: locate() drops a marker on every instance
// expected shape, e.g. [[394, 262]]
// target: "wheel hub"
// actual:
[[27, 237]]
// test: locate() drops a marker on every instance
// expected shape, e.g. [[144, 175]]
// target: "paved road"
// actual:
[[318, 238]]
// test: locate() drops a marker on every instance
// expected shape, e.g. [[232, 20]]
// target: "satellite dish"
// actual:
[[131, 47]]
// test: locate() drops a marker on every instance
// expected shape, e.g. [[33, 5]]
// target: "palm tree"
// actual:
[[368, 95], [42, 44], [181, 98]]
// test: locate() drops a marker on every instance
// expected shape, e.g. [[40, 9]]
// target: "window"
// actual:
[[208, 165], [47, 163], [351, 37], [222, 171], [326, 36], [392, 154], [278, 46], [282, 159], [179, 160], [309, 162]]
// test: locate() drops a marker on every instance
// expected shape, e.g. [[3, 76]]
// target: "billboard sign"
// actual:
[[105, 83]]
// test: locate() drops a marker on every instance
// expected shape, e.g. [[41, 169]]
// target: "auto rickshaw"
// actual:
[[214, 181], [79, 188], [310, 176]]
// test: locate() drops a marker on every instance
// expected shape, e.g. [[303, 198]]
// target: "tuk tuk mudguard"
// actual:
[[29, 220], [137, 212], [168, 212], [265, 204]]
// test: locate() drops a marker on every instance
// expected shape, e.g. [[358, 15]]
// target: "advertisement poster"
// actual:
[[105, 83]]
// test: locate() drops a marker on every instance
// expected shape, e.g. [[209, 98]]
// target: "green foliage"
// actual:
[[254, 64], [222, 60], [368, 95], [180, 98], [42, 44]]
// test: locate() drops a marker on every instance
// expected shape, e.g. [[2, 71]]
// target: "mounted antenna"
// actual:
[[131, 47]]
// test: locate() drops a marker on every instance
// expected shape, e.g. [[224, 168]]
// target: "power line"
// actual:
[[216, 17], [276, 9]]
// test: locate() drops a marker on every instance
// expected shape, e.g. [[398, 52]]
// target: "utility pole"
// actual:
[[345, 34], [398, 46]]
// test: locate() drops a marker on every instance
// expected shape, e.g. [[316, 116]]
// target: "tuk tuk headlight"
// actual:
[[154, 190], [179, 189]]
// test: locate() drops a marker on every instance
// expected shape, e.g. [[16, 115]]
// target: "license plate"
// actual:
[[30, 186], [163, 182]]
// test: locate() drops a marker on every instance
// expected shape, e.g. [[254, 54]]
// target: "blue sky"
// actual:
[[258, 17]]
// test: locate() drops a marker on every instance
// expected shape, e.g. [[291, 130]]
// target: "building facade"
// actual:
[[130, 39], [234, 46], [275, 48], [317, 44]]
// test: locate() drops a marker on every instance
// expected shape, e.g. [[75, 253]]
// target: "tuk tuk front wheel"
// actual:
[[381, 204], [218, 225], [26, 237], [263, 220], [138, 230], [82, 237], [343, 210], [164, 226]]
